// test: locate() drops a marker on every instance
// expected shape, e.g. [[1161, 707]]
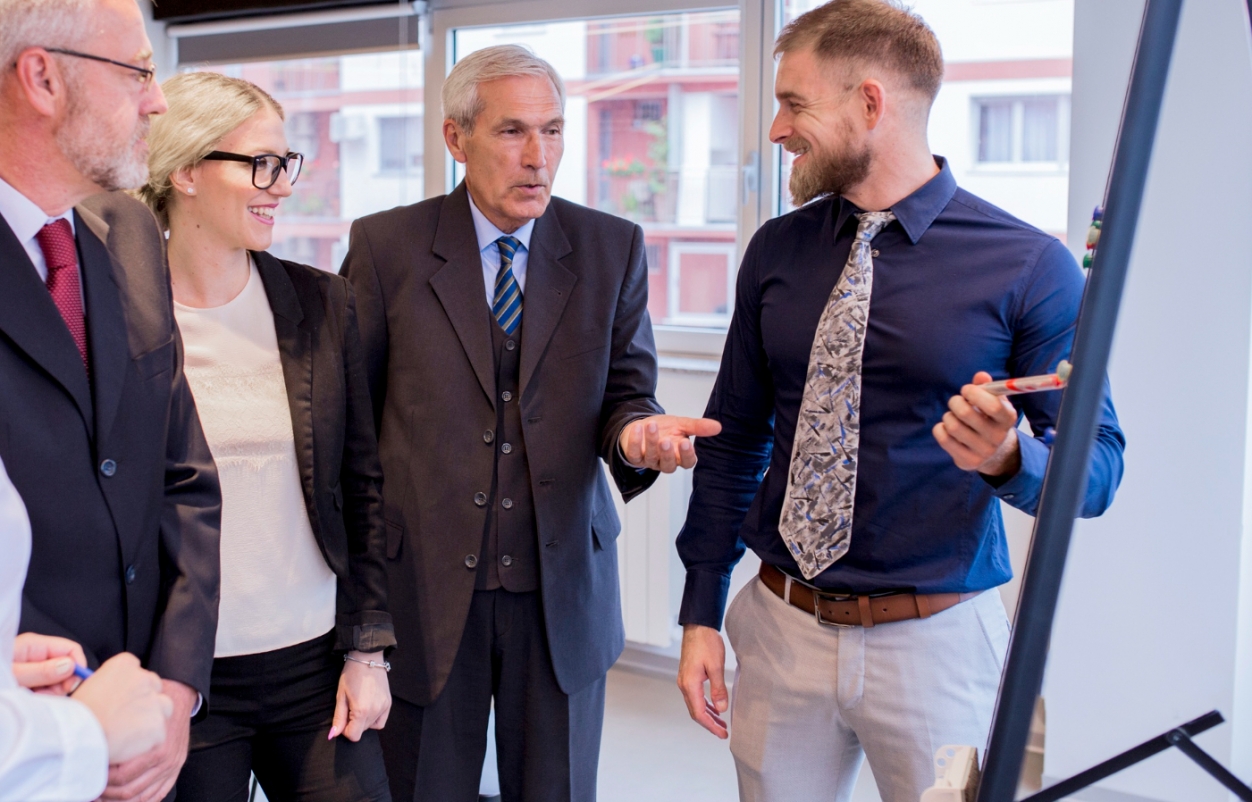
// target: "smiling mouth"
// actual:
[[262, 211]]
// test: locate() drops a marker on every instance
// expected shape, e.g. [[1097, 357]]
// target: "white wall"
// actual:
[[1155, 618]]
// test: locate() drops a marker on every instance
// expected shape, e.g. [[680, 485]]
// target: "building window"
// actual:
[[1022, 129], [399, 144]]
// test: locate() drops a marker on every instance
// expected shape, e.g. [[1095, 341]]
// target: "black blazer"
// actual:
[[336, 448], [115, 473], [588, 367]]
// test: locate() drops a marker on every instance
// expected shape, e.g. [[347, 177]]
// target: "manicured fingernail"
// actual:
[[333, 732], [652, 428], [64, 666], [665, 445]]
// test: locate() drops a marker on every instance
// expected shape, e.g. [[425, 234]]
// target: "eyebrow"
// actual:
[[789, 96], [512, 122]]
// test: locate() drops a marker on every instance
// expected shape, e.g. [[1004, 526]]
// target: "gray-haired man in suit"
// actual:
[[509, 349]]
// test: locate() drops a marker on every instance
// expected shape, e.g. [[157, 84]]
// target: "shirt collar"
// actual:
[[23, 215], [918, 211], [488, 233]]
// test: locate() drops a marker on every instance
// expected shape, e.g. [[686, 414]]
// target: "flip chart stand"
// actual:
[[1179, 736]]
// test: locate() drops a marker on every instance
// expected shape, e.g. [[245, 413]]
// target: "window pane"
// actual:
[[1039, 129], [652, 135], [357, 119], [995, 130]]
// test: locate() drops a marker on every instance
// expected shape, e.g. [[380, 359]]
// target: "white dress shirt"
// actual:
[[487, 248], [51, 748], [26, 219]]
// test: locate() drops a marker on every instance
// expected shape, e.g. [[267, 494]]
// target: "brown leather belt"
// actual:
[[850, 610]]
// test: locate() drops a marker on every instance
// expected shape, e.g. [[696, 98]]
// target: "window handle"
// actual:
[[751, 176]]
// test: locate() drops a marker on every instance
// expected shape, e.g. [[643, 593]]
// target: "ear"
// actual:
[[454, 137], [184, 180], [40, 80], [873, 100]]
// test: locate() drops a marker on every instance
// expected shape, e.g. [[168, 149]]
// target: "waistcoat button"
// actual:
[[471, 561], [480, 499], [507, 503]]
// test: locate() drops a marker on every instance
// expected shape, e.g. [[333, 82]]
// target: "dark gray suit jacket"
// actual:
[[125, 555], [588, 367]]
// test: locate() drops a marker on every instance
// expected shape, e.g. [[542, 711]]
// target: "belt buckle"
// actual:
[[818, 596]]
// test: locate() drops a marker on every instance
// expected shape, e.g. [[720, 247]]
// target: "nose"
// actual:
[[780, 129], [155, 100], [533, 156], [282, 187]]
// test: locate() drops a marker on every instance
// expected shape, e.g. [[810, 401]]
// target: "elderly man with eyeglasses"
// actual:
[[98, 428]]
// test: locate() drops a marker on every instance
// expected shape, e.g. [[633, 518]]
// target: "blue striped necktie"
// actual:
[[506, 303]]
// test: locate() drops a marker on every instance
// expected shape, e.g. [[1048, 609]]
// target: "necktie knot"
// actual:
[[56, 240], [870, 223], [508, 248]]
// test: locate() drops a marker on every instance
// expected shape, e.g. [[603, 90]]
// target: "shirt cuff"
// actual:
[[1023, 488], [704, 598], [621, 456], [199, 703]]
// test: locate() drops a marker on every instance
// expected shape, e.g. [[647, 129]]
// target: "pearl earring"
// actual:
[[191, 190]]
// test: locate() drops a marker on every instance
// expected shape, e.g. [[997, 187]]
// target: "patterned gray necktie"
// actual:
[[816, 521]]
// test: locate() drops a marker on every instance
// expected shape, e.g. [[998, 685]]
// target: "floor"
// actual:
[[653, 751]]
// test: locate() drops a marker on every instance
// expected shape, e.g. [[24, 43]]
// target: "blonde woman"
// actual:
[[273, 358]]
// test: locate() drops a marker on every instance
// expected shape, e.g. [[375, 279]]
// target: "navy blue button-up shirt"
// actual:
[[959, 286]]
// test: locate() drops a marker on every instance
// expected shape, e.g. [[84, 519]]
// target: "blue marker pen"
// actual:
[[82, 672]]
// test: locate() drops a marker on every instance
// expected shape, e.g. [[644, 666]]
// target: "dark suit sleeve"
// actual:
[[183, 642], [363, 622], [358, 269], [630, 392]]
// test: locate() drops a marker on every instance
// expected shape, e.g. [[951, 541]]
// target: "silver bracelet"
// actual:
[[384, 665]]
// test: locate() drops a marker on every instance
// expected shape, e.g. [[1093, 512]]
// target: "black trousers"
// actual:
[[270, 714], [547, 743]]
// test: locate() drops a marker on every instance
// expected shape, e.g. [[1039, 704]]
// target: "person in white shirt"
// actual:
[[59, 749], [274, 362]]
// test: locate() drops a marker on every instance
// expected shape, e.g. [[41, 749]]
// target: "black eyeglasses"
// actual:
[[146, 74], [266, 167]]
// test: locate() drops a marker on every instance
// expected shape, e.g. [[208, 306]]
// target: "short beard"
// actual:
[[832, 174], [109, 165]]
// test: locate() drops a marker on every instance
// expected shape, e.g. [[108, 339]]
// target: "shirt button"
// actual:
[[507, 448], [509, 345], [507, 396], [480, 499], [1009, 495], [488, 436], [506, 561], [471, 561], [130, 575], [108, 467], [874, 252], [507, 503]]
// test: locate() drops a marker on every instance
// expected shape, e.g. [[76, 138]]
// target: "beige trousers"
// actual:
[[809, 701]]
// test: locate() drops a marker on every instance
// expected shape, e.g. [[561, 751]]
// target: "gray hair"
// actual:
[[461, 102], [42, 23]]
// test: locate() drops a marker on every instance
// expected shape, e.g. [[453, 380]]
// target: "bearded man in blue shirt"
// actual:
[[859, 457]]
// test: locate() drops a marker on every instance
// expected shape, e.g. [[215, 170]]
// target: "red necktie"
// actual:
[[57, 242]]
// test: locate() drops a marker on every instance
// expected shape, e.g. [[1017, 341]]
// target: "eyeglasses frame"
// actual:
[[223, 156], [149, 73]]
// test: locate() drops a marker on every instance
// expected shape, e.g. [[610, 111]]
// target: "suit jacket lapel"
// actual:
[[295, 349], [459, 286], [548, 287], [106, 323], [30, 319]]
